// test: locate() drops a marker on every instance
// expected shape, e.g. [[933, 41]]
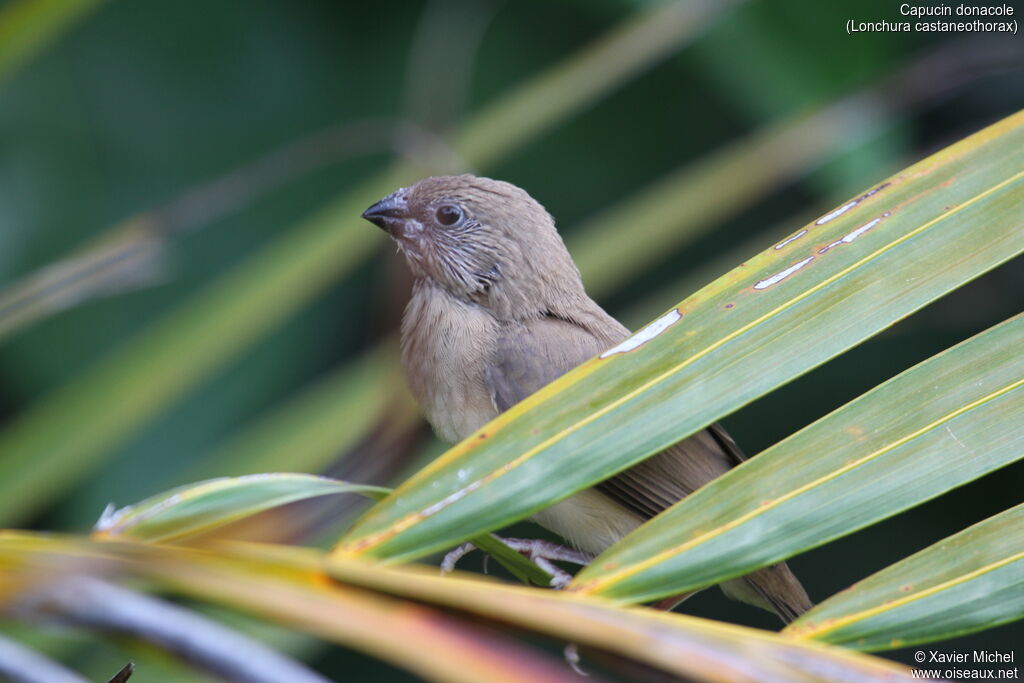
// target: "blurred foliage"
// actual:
[[140, 107]]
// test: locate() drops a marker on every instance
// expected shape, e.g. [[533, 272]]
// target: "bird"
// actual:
[[498, 310]]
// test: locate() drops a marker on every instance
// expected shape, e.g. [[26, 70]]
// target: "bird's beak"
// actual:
[[390, 214]]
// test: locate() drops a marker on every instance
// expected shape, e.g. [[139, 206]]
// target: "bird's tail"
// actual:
[[774, 588]]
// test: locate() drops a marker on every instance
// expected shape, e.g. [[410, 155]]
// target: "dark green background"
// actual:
[[146, 99]]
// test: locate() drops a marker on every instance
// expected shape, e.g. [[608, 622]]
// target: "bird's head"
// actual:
[[481, 240]]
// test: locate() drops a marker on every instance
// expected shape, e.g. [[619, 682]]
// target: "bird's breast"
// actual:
[[446, 344]]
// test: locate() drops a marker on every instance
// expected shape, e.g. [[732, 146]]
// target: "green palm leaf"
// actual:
[[862, 463], [27, 26], [970, 581], [195, 508], [843, 278]]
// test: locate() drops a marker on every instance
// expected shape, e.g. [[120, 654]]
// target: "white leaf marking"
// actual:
[[646, 334], [778, 277], [797, 236]]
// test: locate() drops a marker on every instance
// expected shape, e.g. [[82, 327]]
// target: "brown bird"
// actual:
[[498, 310]]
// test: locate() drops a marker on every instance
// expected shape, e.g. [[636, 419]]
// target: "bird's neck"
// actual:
[[445, 347]]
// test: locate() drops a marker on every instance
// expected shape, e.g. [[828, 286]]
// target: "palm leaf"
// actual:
[[26, 26], [186, 512], [293, 592], [970, 581], [294, 586], [860, 464], [196, 508], [836, 282]]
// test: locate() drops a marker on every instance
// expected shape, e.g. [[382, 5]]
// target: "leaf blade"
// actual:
[[287, 586], [816, 486], [196, 508], [876, 259], [333, 598], [964, 583], [27, 26]]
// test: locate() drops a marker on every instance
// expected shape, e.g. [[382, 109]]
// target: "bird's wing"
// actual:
[[531, 355], [660, 481]]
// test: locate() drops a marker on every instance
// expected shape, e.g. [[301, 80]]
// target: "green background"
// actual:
[[145, 100]]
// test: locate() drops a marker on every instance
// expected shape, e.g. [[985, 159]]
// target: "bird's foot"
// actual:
[[542, 553], [452, 558], [571, 654]]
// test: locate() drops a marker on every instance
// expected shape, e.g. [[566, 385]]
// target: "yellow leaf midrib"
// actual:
[[808, 633], [593, 585]]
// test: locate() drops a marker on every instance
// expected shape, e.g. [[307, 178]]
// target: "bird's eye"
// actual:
[[448, 214]]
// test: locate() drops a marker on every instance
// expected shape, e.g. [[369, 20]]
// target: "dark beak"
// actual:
[[390, 214]]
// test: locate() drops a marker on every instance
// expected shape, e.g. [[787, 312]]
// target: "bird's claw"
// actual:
[[542, 553], [571, 653], [453, 557]]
